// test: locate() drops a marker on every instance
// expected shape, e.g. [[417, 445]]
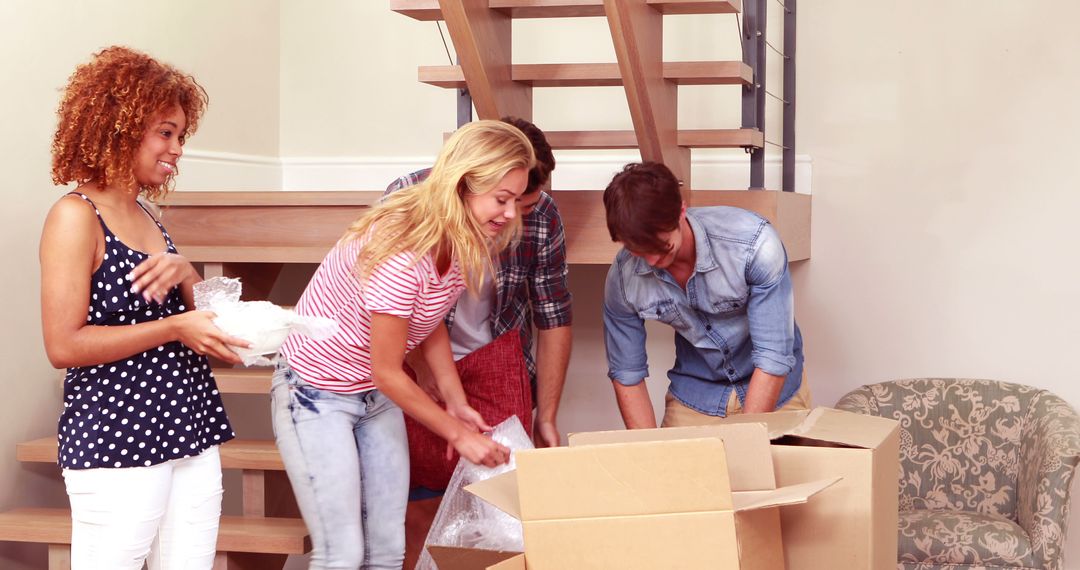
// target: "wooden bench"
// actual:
[[242, 541]]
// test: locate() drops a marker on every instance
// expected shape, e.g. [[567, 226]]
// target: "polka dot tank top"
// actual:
[[145, 409]]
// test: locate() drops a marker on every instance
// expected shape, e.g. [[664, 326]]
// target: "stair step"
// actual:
[[255, 380], [256, 254], [598, 74], [235, 454], [429, 9], [707, 138], [588, 241], [268, 535], [261, 227]]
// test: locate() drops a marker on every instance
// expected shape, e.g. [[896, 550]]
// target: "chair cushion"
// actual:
[[496, 384], [930, 539]]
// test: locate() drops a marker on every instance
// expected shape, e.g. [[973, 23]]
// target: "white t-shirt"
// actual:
[[472, 320]]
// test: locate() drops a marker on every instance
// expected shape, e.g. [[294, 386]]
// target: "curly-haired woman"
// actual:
[[389, 283], [142, 416]]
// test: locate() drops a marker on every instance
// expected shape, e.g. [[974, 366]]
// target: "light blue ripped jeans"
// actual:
[[348, 461]]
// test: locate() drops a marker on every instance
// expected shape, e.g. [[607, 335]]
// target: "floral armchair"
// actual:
[[985, 471]]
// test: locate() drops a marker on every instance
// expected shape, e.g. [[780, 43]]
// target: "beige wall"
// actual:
[[944, 192], [230, 47]]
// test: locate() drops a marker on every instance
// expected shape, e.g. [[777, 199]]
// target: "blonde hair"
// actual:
[[433, 213]]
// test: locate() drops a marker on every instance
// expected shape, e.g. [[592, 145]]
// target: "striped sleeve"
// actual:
[[394, 287]]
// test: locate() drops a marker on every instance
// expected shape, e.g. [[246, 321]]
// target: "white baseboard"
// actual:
[[210, 170]]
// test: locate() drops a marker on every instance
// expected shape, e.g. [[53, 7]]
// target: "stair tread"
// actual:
[[254, 454], [598, 74], [697, 138], [270, 535], [254, 380], [586, 240], [429, 9], [254, 254]]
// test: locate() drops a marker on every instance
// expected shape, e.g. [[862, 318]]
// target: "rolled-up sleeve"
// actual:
[[771, 308], [624, 334]]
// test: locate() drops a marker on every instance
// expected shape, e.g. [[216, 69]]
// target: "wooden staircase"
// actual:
[[267, 229], [482, 30], [269, 530]]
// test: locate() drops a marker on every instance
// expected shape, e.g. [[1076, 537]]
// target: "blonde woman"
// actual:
[[337, 404]]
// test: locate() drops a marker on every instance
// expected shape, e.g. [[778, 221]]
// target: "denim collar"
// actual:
[[704, 259]]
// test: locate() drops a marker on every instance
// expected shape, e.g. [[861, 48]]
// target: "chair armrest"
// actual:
[[1050, 453]]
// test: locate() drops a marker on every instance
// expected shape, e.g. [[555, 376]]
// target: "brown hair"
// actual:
[[106, 108], [545, 160], [642, 202]]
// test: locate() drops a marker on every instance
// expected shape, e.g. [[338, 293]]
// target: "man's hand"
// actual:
[[545, 434]]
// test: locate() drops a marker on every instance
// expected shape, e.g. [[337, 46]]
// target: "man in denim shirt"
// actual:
[[719, 277]]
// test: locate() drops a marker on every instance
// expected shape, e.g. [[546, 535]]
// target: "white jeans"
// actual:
[[166, 514]]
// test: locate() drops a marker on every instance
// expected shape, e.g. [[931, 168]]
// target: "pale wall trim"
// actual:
[[211, 170]]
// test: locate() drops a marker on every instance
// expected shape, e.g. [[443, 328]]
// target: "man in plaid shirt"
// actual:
[[530, 285]]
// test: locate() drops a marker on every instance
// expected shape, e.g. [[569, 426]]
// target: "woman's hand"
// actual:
[[159, 273], [472, 445], [468, 416], [479, 449], [196, 330]]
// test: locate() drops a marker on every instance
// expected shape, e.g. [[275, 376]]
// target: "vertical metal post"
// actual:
[[464, 105], [753, 100], [789, 96]]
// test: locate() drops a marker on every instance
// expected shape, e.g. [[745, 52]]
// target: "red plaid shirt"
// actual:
[[531, 281]]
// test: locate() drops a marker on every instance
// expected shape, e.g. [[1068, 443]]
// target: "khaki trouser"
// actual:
[[676, 414]]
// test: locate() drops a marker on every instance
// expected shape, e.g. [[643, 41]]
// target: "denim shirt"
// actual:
[[736, 314]]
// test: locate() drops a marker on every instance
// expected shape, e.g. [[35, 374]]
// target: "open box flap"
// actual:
[[778, 424], [824, 424], [788, 495], [748, 442], [515, 563], [460, 558], [639, 478], [501, 491], [847, 428]]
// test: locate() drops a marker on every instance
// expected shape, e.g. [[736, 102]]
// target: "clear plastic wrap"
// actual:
[[467, 521], [262, 323]]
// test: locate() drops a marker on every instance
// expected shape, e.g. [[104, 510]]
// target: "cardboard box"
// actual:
[[853, 524], [643, 499]]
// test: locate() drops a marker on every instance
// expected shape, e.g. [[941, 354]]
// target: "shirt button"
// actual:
[[730, 370], [727, 351], [708, 328]]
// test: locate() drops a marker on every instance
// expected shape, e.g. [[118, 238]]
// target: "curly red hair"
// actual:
[[107, 107]]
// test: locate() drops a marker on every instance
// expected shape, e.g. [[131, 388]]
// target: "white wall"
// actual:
[[941, 145], [945, 194]]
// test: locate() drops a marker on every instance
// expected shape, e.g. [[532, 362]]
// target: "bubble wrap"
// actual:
[[262, 323], [467, 521]]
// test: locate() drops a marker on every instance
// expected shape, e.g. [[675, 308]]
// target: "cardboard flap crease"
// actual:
[[788, 495], [501, 491]]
